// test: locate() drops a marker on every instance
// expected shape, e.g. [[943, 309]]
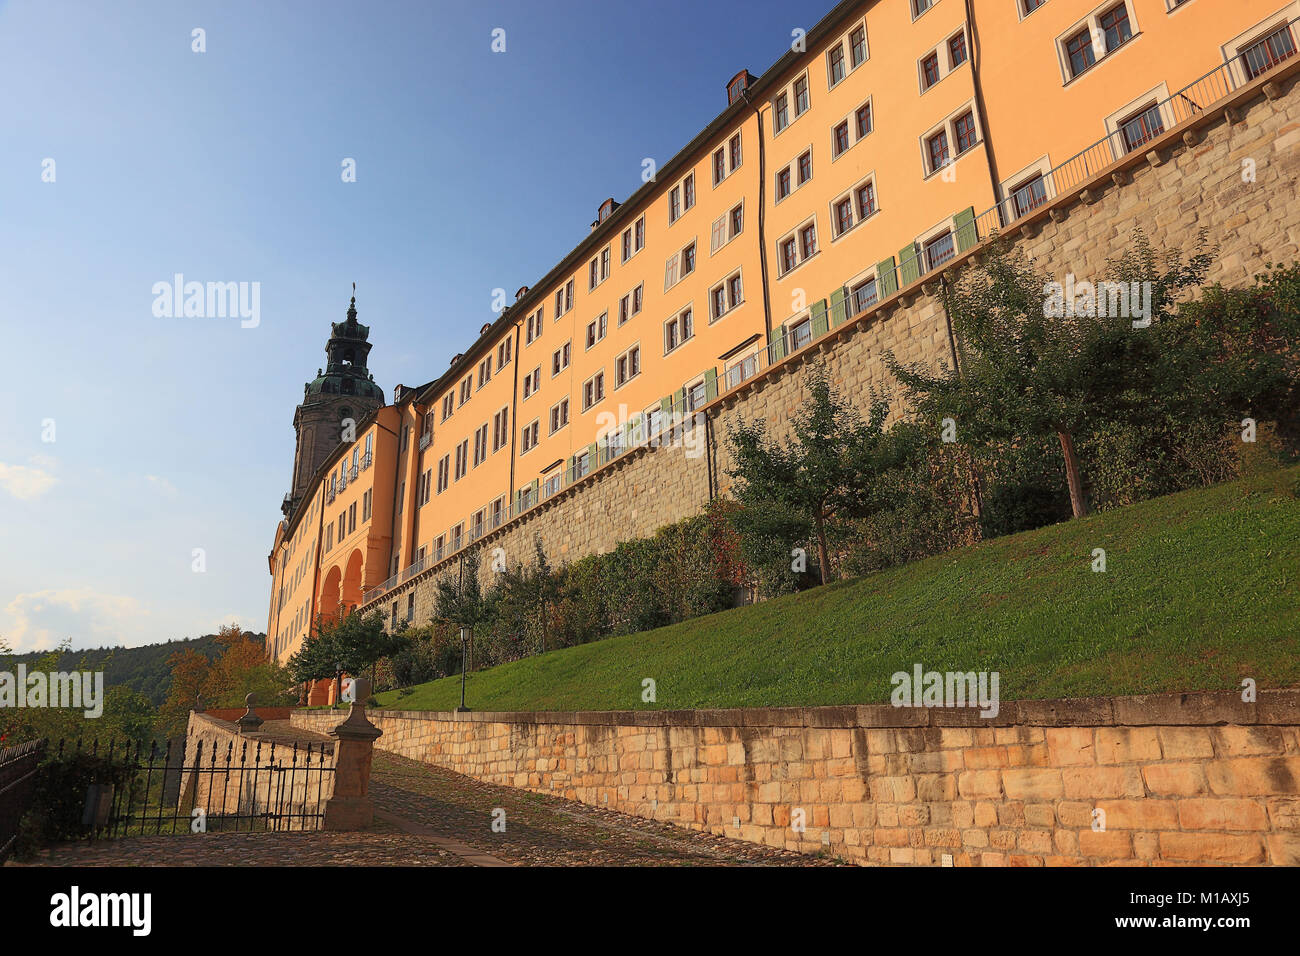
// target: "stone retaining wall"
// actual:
[[1186, 778]]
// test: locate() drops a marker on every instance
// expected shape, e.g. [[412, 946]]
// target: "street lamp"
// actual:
[[462, 709]]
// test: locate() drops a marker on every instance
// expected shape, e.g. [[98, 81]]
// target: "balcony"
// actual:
[[425, 439], [352, 473], [365, 461]]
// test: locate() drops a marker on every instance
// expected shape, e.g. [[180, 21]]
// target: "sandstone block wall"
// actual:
[[1236, 175], [1142, 781]]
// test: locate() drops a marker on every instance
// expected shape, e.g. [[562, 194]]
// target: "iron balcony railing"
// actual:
[[425, 438], [365, 461]]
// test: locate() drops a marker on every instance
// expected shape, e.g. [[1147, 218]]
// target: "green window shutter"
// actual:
[[710, 384], [819, 321], [839, 306], [964, 226], [593, 457], [909, 264], [665, 407], [886, 278], [776, 351]]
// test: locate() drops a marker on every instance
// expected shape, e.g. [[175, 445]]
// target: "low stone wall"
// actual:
[[232, 714], [1176, 779], [227, 772]]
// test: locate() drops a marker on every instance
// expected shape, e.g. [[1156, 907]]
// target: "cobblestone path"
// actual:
[[427, 816]]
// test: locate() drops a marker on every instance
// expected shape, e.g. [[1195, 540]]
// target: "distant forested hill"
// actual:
[[143, 669]]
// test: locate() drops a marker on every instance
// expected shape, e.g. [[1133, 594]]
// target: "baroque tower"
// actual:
[[344, 391]]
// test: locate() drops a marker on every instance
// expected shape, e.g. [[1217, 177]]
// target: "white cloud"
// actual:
[[161, 485], [41, 619], [25, 483]]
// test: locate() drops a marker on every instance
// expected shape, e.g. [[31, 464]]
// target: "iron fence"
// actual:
[[18, 768], [169, 788]]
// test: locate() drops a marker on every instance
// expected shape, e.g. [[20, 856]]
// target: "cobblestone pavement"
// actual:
[[428, 816]]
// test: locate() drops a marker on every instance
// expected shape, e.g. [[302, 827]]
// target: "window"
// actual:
[[598, 269], [593, 390], [800, 333], [462, 459], [630, 305], [964, 127], [719, 165], [866, 196], [1260, 57], [843, 216], [678, 330], [564, 299], [862, 120], [724, 297], [835, 64], [726, 228], [688, 191], [929, 71], [633, 239], [681, 198], [444, 473], [733, 148], [532, 381], [1029, 6], [1078, 49], [840, 139], [559, 416], [352, 517], [957, 50], [480, 445], [504, 353], [679, 266], [528, 437], [808, 240], [722, 156], [858, 46], [937, 148], [939, 250], [484, 371], [596, 329], [1029, 195], [864, 296], [801, 102], [560, 359], [448, 402], [789, 255], [1141, 129], [1115, 26], [501, 428], [783, 184], [920, 6], [534, 327], [805, 167], [627, 366], [466, 387], [780, 113]]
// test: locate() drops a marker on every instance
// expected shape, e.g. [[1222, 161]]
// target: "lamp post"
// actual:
[[338, 684], [462, 709]]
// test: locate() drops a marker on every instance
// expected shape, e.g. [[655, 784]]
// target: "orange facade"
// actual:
[[899, 134]]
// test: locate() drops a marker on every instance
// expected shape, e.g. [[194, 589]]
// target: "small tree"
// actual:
[[795, 491], [1028, 370]]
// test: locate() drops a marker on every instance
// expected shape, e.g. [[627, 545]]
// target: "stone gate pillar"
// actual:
[[350, 807]]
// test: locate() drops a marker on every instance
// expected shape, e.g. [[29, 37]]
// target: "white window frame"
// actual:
[[675, 320], [948, 125], [626, 356], [855, 218], [1091, 23], [797, 235]]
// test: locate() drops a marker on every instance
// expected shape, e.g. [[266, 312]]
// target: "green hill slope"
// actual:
[[1201, 589]]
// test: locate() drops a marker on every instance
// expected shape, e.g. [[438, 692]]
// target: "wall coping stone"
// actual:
[[1195, 708]]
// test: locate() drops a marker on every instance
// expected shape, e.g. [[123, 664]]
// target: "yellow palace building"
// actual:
[[890, 137]]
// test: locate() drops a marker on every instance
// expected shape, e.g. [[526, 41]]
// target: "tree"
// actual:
[[347, 646], [1034, 364], [796, 491]]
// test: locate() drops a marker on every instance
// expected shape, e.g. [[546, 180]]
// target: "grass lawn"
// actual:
[[1200, 590]]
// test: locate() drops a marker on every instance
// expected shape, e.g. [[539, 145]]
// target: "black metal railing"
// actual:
[[18, 768], [210, 786]]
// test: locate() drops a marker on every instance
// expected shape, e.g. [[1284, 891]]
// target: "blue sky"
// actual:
[[474, 170]]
